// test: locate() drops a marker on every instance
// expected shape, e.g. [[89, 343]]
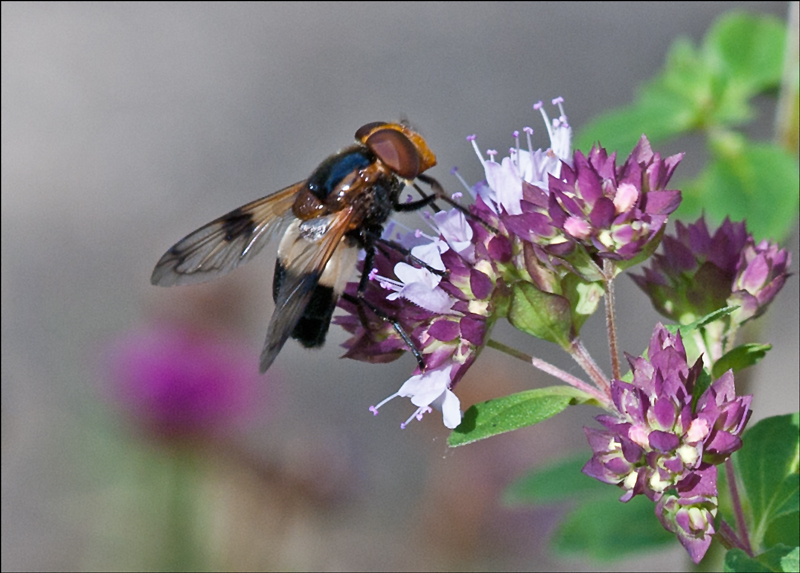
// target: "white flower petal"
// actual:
[[408, 274], [430, 254], [454, 228], [430, 383], [432, 299], [506, 184], [451, 410]]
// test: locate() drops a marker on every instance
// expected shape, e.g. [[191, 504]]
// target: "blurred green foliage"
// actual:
[[710, 89]]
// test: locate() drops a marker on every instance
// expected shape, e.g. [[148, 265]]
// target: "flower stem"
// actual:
[[552, 370], [584, 359], [182, 552], [508, 350], [611, 323], [741, 524], [727, 536]]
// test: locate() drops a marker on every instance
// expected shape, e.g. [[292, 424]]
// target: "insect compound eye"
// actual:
[[364, 131], [396, 151]]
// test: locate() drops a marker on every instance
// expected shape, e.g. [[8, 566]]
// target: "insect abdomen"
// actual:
[[313, 325]]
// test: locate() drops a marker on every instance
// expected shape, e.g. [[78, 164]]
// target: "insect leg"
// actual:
[[427, 200], [406, 253], [377, 241], [360, 302], [440, 193]]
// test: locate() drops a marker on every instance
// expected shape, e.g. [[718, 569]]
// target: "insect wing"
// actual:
[[304, 268], [225, 243]]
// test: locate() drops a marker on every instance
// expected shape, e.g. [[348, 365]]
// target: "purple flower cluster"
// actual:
[[562, 201], [699, 273], [447, 317], [658, 445], [761, 272], [612, 211], [538, 218]]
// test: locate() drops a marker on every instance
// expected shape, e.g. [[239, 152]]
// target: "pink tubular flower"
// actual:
[[502, 191], [432, 388]]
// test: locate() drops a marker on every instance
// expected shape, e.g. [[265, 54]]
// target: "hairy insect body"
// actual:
[[324, 220]]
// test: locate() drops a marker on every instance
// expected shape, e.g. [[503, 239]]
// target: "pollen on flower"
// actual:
[[688, 454], [657, 484], [478, 307]]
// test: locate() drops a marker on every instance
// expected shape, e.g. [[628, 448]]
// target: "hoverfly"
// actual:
[[325, 220]]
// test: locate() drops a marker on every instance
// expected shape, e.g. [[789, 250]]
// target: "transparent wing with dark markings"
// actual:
[[303, 272], [225, 243]]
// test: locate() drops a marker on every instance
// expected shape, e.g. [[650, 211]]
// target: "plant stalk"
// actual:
[[611, 323]]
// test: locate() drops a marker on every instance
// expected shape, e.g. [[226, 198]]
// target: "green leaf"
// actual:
[[609, 530], [664, 107], [753, 181], [703, 320], [737, 561], [748, 48], [780, 558], [541, 314], [562, 480], [584, 265], [512, 412], [740, 358], [783, 530], [619, 130], [584, 298], [690, 82], [700, 386], [687, 329], [768, 466], [791, 560]]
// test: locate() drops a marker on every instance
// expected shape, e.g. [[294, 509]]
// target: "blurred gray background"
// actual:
[[125, 126]]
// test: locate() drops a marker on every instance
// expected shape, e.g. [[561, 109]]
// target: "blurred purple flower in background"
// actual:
[[178, 381]]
